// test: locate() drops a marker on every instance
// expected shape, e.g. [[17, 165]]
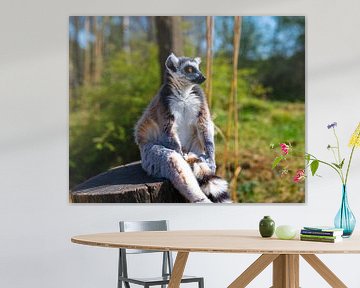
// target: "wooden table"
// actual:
[[284, 254]]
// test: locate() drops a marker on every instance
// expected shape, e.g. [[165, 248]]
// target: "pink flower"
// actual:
[[284, 148], [300, 176]]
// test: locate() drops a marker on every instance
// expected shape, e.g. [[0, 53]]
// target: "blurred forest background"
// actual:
[[255, 68]]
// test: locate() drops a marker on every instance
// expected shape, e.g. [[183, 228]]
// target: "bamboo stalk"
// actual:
[[227, 136], [236, 45], [237, 35]]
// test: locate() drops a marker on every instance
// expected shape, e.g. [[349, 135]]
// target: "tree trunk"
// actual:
[[126, 184], [169, 38], [77, 54], [126, 34], [106, 37], [150, 33], [233, 120], [237, 34], [98, 53], [209, 57], [115, 36], [199, 34], [87, 52]]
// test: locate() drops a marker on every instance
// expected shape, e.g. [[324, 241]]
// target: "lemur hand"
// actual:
[[209, 161], [212, 164]]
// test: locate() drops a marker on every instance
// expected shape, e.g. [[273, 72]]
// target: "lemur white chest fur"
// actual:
[[176, 136], [185, 108]]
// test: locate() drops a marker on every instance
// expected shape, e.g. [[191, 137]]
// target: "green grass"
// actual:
[[262, 123]]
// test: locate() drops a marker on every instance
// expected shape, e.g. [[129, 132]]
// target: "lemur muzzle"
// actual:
[[200, 79]]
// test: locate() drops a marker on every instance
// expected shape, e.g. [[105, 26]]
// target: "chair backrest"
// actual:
[[134, 226]]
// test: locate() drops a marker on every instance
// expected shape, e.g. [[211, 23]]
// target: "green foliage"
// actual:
[[248, 85], [101, 126], [286, 76], [257, 182], [277, 161], [283, 66], [314, 167], [340, 166]]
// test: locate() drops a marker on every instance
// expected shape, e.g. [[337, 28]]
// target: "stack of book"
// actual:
[[321, 234]]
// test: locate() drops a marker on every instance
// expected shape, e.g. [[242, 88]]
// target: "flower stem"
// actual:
[[351, 155], [338, 149], [337, 144], [328, 164], [348, 168], [333, 152]]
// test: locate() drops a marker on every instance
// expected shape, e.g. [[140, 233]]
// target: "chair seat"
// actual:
[[158, 280]]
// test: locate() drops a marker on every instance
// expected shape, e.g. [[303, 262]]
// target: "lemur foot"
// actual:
[[204, 200], [191, 158]]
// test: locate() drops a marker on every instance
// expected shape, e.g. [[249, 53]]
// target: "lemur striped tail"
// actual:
[[214, 187]]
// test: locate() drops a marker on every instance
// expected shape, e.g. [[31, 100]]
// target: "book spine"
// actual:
[[320, 233], [318, 239], [319, 236]]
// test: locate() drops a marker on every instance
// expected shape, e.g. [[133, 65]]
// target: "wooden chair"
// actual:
[[167, 263]]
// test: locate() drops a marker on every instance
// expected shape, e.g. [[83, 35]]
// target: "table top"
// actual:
[[216, 241]]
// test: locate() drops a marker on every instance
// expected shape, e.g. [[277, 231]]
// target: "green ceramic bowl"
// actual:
[[285, 232]]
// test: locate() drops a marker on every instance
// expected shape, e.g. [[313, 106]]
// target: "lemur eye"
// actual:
[[189, 69]]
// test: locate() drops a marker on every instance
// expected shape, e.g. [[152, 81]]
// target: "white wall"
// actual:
[[36, 221]]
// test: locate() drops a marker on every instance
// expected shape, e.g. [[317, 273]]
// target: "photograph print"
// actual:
[[184, 109]]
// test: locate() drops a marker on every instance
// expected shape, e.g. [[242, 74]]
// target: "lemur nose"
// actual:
[[200, 79]]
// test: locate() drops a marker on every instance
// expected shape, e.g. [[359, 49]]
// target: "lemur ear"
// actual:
[[197, 60], [172, 62]]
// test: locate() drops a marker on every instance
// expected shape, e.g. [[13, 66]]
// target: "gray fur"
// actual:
[[160, 161], [178, 122]]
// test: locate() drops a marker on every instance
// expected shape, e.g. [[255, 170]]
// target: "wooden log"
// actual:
[[126, 184]]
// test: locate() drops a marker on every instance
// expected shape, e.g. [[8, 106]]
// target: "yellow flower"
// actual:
[[355, 138]]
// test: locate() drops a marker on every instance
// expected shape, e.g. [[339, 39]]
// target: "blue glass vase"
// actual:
[[345, 219]]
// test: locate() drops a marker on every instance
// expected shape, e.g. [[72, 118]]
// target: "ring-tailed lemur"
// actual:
[[176, 134]]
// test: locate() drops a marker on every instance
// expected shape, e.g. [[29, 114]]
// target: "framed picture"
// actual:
[[180, 109]]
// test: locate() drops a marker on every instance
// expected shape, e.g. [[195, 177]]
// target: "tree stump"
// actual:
[[126, 184]]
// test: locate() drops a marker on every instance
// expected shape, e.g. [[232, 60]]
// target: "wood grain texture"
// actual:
[[178, 270], [286, 271], [125, 184], [279, 269], [293, 268], [253, 270], [222, 241], [324, 271]]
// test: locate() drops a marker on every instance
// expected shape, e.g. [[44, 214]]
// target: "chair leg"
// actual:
[[201, 283], [120, 273], [164, 266]]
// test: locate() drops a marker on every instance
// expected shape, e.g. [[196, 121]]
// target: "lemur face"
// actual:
[[184, 69]]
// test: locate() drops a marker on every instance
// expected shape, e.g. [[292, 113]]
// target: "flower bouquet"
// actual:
[[344, 218]]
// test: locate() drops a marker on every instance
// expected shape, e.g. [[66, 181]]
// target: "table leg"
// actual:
[[286, 271], [253, 270], [178, 269], [324, 271]]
